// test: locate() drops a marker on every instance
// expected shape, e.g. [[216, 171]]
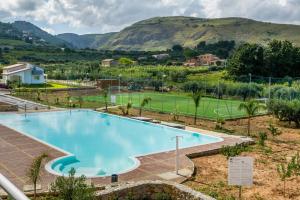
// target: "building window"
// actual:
[[36, 78]]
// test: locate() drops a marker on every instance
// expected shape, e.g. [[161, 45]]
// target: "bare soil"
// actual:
[[211, 171]]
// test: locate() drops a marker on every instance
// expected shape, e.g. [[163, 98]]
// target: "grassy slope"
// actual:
[[11, 42], [86, 41], [162, 32]]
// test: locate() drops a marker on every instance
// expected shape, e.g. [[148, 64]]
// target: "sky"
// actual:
[[102, 16]]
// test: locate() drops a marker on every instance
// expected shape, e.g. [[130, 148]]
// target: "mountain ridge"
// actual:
[[161, 33]]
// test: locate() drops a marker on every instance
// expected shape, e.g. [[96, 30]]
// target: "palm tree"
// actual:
[[105, 96], [35, 170], [251, 108], [196, 98], [145, 101], [125, 110]]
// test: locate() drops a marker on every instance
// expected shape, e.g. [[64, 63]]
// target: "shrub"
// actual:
[[284, 172], [219, 123], [286, 110], [262, 137], [273, 130], [71, 187], [125, 109], [232, 151]]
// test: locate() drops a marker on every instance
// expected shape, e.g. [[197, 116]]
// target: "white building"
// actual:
[[25, 73], [161, 56]]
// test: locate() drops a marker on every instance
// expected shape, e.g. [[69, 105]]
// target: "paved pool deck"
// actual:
[[17, 152]]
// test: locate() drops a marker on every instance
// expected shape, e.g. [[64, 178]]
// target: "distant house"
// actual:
[[25, 73], [193, 62], [109, 63], [161, 56], [206, 60], [210, 59]]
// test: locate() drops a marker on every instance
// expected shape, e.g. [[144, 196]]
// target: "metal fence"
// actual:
[[220, 98]]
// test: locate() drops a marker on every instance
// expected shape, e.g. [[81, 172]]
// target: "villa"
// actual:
[[205, 60], [109, 63], [25, 73]]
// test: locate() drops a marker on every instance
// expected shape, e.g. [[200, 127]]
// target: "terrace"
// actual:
[[18, 150]]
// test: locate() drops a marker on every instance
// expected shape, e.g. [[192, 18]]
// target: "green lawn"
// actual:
[[209, 108]]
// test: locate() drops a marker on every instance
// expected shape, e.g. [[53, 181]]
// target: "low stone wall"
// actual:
[[151, 190]]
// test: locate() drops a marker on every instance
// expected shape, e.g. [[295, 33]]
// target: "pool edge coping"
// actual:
[[136, 157]]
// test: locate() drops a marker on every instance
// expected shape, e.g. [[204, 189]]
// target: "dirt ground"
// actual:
[[211, 171], [211, 175]]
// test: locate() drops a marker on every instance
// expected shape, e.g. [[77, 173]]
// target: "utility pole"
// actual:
[[120, 75], [162, 83], [250, 81]]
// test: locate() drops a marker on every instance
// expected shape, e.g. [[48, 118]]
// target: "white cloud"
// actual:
[[112, 15], [49, 30]]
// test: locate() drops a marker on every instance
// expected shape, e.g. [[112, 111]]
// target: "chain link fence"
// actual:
[[220, 99]]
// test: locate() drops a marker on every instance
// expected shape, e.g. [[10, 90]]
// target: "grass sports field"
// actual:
[[210, 108]]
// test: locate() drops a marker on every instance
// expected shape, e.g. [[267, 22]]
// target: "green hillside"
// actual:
[[161, 33], [92, 41], [32, 30]]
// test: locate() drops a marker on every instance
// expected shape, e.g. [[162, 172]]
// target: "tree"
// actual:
[[189, 53], [105, 96], [72, 188], [196, 98], [248, 58], [251, 108], [177, 48], [282, 58], [126, 61], [35, 170], [144, 102], [277, 59]]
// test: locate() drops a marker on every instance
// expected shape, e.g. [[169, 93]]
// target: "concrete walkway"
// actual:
[[17, 151], [21, 103]]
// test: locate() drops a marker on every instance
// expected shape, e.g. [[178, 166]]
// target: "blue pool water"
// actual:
[[99, 144]]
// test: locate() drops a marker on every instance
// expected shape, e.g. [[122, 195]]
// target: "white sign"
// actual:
[[240, 171], [113, 99]]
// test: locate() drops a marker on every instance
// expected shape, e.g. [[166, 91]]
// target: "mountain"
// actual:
[[8, 31], [161, 33], [32, 30], [93, 41]]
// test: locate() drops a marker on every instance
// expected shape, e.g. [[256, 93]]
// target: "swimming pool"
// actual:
[[99, 144]]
